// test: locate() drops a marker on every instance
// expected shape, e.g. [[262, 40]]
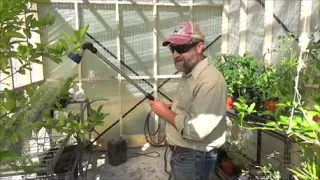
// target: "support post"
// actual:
[[225, 24], [155, 21], [243, 26], [191, 10], [305, 23], [76, 9], [119, 20], [268, 24], [259, 136]]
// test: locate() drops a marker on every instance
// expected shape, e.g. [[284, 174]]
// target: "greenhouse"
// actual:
[[160, 89]]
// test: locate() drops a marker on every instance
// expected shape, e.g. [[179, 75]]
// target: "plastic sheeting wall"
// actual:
[[287, 11]]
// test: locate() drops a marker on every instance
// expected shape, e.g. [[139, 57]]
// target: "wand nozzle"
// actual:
[[77, 57]]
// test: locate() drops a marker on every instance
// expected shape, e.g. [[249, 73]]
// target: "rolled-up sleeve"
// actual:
[[207, 110]]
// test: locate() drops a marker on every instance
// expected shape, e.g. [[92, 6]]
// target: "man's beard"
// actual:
[[186, 66]]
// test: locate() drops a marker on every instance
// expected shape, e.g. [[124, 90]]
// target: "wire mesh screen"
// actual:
[[290, 17], [137, 39], [209, 19]]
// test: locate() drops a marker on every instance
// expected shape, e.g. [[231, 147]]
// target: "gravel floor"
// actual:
[[137, 167]]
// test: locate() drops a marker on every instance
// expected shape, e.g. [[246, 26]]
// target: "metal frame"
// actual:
[[141, 3]]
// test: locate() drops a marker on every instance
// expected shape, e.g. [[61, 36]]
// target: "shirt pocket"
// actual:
[[185, 100]]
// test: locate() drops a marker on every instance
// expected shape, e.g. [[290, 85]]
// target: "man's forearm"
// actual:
[[170, 117]]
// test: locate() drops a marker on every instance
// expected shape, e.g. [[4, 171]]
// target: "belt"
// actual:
[[178, 149]]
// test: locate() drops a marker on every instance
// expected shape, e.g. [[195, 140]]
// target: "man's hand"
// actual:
[[162, 110], [169, 105], [159, 107]]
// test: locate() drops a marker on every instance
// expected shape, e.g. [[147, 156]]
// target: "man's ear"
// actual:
[[200, 47]]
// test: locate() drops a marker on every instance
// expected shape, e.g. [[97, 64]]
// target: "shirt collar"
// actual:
[[198, 68]]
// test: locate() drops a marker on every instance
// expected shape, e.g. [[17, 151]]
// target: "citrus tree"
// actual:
[[26, 111]]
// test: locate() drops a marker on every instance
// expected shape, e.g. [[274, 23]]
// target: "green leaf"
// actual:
[[29, 18], [9, 105], [99, 109], [5, 155], [3, 64], [14, 34], [83, 30], [51, 20], [284, 120], [267, 113], [315, 126], [304, 123], [14, 138], [40, 1], [300, 175], [250, 110], [2, 132], [310, 135], [27, 33], [1, 6], [317, 107], [281, 105], [272, 124], [22, 71], [297, 119], [29, 169]]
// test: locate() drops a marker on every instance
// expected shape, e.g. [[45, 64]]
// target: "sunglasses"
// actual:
[[182, 48]]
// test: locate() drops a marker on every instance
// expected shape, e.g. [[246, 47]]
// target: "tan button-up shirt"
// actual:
[[200, 108]]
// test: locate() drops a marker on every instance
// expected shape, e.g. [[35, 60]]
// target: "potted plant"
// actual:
[[241, 74], [225, 162], [227, 71]]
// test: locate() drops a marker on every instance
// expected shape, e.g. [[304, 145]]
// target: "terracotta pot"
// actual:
[[270, 104], [227, 167], [229, 103]]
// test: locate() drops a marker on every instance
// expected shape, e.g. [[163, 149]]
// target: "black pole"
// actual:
[[125, 114]]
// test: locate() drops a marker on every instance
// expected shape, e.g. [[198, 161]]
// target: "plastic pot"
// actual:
[[271, 104], [227, 166], [316, 118], [229, 103]]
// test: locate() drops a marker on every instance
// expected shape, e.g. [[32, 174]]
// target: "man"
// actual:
[[197, 118]]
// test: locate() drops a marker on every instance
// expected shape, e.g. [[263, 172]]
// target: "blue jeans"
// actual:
[[192, 165]]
